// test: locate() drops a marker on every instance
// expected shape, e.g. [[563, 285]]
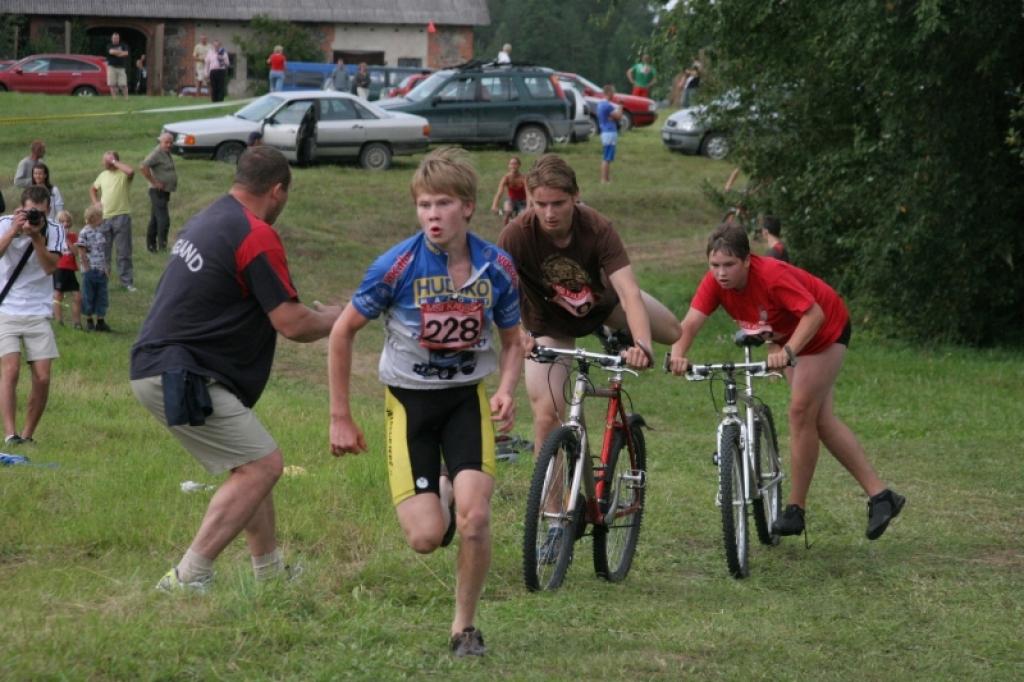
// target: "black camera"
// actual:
[[34, 216]]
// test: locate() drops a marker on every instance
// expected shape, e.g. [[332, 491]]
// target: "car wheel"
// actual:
[[716, 146], [229, 152], [84, 91], [594, 129], [532, 140], [626, 122], [375, 156]]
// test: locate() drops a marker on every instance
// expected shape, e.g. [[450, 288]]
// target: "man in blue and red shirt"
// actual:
[[204, 355]]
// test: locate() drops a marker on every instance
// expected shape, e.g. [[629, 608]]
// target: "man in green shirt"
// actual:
[[110, 191], [158, 169], [642, 75]]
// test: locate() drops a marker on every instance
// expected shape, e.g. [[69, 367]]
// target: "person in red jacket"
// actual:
[[277, 63], [809, 331]]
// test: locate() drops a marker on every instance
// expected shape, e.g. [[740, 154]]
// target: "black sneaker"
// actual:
[[883, 508], [90, 325], [101, 326], [469, 642], [791, 522]]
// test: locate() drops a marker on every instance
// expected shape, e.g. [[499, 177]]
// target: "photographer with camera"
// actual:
[[30, 247]]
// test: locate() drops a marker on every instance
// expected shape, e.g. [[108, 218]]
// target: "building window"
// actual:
[[410, 61]]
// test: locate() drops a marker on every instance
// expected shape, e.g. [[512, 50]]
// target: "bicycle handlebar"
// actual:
[[701, 372], [546, 354]]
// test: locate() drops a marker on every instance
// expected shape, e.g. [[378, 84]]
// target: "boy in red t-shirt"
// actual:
[[64, 278], [809, 331]]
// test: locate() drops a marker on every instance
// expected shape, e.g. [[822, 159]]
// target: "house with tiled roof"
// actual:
[[431, 33]]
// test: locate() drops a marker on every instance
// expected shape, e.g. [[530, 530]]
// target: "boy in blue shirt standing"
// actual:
[[608, 116]]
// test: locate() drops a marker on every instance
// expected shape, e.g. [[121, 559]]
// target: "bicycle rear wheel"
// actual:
[[550, 530], [768, 475], [623, 506], [732, 501]]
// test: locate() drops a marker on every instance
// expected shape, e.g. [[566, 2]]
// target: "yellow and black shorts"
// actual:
[[423, 426]]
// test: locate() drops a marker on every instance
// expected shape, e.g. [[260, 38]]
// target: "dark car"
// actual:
[[476, 103], [57, 74]]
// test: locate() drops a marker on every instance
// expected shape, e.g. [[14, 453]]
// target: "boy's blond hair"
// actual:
[[64, 214], [446, 170], [93, 213]]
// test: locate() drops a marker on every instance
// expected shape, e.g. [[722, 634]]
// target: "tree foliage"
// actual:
[[883, 132], [598, 39], [265, 33]]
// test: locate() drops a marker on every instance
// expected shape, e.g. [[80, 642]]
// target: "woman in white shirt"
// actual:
[[41, 176]]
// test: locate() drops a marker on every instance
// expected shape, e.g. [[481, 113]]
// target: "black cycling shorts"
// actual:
[[65, 280], [423, 426]]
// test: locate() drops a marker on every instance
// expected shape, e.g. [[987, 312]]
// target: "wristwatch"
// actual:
[[791, 355]]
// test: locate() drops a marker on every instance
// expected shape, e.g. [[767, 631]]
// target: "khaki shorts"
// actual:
[[200, 73], [36, 333], [116, 77], [232, 435]]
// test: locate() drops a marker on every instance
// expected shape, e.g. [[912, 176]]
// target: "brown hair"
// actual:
[[552, 171], [37, 194], [446, 170], [260, 168], [37, 146], [729, 239]]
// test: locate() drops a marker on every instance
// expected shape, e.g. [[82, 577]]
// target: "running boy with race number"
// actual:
[[439, 292]]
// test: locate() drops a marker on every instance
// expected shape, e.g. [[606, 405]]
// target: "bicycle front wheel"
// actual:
[[623, 506], [550, 528], [732, 501], [767, 502]]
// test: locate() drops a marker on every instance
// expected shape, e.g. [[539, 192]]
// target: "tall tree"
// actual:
[[883, 132]]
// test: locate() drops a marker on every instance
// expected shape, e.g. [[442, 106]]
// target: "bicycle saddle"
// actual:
[[746, 340]]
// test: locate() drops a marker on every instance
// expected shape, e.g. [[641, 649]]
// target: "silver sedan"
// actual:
[[306, 126]]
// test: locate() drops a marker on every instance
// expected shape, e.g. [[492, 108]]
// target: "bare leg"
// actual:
[[423, 520], [545, 388], [473, 517], [235, 503], [664, 325], [606, 171], [811, 420], [76, 308], [260, 532], [38, 396], [58, 298], [10, 365]]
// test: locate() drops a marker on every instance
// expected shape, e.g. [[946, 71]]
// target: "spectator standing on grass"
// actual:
[[690, 85], [110, 192], [608, 116], [41, 176], [158, 169], [92, 246], [340, 79], [117, 65], [30, 246], [440, 441], [199, 52], [65, 279], [204, 355], [505, 54], [277, 63], [217, 63], [141, 75], [361, 82], [641, 75], [808, 329], [23, 175]]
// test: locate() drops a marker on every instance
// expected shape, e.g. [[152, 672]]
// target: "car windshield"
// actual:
[[587, 84], [428, 86], [258, 110]]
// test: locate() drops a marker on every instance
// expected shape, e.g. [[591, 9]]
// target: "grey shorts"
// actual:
[[36, 333], [232, 435]]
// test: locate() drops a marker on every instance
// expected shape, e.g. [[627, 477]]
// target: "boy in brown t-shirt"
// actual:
[[574, 277]]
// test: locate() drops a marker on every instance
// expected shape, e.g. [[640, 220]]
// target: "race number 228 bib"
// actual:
[[451, 325]]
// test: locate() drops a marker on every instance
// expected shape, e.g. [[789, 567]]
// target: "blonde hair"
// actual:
[[93, 212], [446, 170], [65, 214]]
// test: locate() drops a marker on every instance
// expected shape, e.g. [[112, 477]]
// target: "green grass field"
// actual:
[[82, 544]]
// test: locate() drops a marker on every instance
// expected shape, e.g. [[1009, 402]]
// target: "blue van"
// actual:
[[306, 75]]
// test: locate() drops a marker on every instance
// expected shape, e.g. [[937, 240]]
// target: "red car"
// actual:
[[58, 74], [637, 111], [407, 84]]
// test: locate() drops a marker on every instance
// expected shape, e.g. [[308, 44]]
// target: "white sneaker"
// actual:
[[172, 583]]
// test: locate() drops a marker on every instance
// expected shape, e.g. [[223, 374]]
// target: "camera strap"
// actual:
[[17, 271]]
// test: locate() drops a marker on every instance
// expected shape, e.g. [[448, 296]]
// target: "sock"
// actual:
[[194, 568], [267, 566]]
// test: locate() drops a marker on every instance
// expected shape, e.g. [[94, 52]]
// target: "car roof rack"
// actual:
[[480, 63]]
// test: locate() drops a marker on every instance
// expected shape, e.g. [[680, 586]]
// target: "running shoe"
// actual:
[[469, 642], [791, 522], [883, 508], [172, 583]]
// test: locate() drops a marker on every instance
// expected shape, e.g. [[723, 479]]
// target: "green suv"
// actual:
[[479, 103]]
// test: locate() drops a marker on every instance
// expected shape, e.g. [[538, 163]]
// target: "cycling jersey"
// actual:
[[435, 336]]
